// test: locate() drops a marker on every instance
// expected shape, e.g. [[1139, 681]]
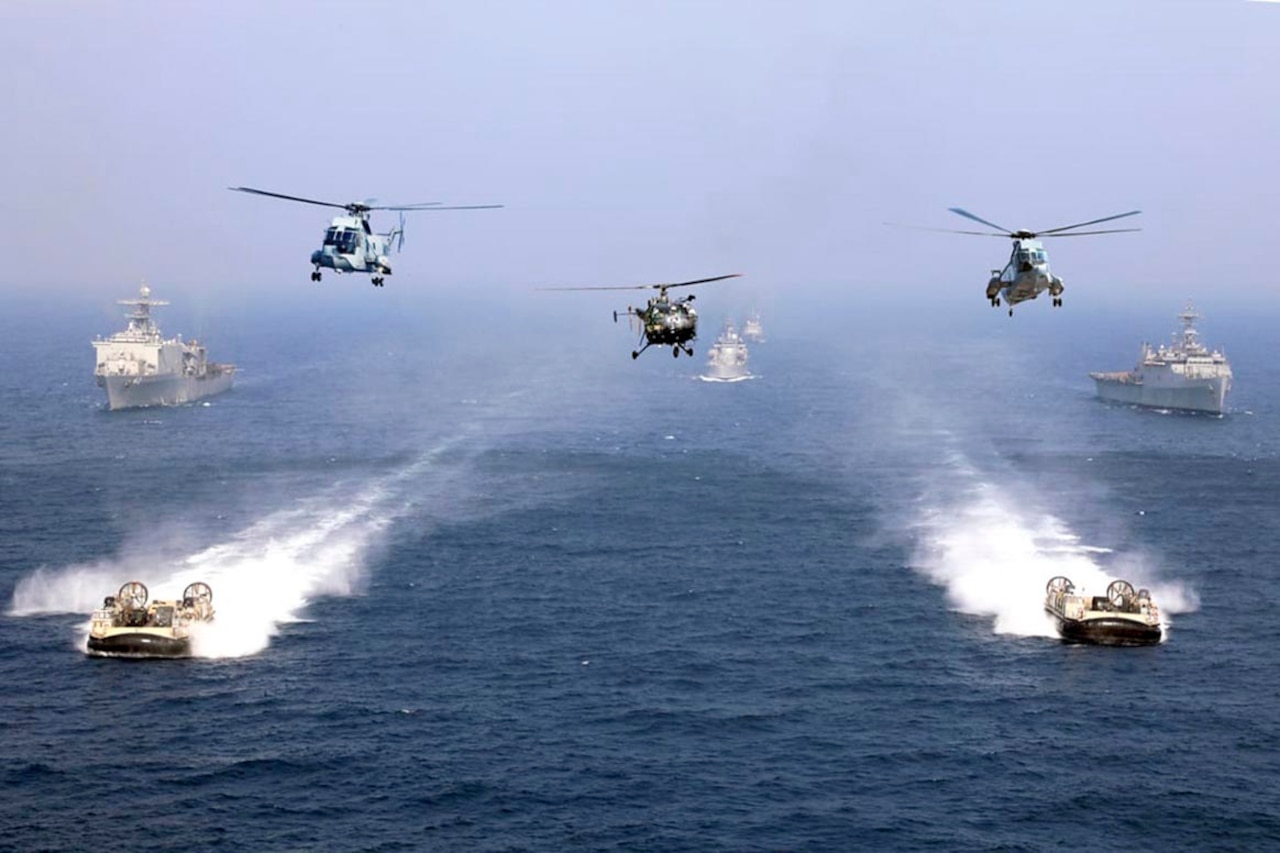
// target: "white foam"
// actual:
[[262, 576], [994, 554]]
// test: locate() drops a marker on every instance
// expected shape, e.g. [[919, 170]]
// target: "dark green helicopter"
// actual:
[[664, 321]]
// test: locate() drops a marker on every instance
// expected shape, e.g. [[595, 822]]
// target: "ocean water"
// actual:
[[490, 585]]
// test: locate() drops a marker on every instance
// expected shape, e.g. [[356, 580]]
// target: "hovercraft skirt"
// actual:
[[138, 645], [1108, 632]]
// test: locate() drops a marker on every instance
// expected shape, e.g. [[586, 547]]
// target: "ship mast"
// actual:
[[140, 321], [1189, 334]]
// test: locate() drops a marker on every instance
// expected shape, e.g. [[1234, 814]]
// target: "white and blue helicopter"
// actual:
[[1027, 274], [350, 244]]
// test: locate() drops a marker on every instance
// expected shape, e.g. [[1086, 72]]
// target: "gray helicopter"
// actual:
[[1027, 274], [350, 244]]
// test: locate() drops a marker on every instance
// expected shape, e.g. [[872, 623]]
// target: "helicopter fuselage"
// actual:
[[350, 245], [667, 322], [1025, 276]]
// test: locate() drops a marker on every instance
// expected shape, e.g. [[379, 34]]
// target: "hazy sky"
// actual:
[[642, 141]]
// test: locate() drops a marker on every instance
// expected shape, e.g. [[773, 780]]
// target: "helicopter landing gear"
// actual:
[[675, 352], [1010, 312], [995, 302], [634, 355], [315, 276], [1057, 302], [377, 281]]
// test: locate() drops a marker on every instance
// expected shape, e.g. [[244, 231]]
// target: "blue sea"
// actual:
[[485, 583]]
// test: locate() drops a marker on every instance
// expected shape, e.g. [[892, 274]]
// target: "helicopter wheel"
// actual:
[[675, 352], [315, 276], [1010, 312], [634, 355]]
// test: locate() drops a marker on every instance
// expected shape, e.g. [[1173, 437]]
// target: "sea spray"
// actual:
[[261, 576], [994, 550]]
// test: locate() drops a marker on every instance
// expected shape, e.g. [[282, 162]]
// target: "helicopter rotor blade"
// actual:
[[289, 197], [1092, 222], [435, 205], [698, 281], [947, 230], [649, 286], [415, 206], [959, 211], [1087, 233]]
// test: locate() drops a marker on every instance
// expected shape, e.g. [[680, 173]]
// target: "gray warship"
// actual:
[[1182, 375], [140, 367], [128, 626], [752, 330], [727, 358], [1122, 617]]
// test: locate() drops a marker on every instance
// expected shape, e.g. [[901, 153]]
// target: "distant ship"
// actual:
[[752, 330], [1122, 617], [727, 358], [1182, 375], [139, 367]]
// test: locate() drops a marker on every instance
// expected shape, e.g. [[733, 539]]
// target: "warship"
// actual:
[[1122, 617], [1182, 375], [752, 330], [140, 367], [727, 358], [127, 626]]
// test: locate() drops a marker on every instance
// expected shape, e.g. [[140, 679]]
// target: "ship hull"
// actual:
[[138, 644], [1203, 395], [131, 392], [721, 373], [1106, 631]]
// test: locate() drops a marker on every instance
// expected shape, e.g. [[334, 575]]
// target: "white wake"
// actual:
[[994, 553], [262, 576]]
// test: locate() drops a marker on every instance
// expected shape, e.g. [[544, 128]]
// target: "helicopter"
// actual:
[[1027, 274], [350, 244], [664, 321]]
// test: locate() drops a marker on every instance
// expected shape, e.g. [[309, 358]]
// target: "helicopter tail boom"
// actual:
[[396, 235]]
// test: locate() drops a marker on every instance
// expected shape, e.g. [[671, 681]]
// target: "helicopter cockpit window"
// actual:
[[346, 242]]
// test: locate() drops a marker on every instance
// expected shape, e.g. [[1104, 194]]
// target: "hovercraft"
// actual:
[[128, 626], [1122, 617]]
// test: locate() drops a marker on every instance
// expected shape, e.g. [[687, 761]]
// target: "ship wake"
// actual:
[[731, 379], [993, 549], [262, 576]]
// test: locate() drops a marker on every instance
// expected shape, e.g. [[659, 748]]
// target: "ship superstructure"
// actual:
[[752, 330], [1184, 374], [140, 367], [727, 358]]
